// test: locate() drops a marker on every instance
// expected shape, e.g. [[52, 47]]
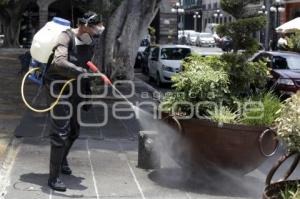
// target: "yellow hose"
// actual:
[[53, 104]]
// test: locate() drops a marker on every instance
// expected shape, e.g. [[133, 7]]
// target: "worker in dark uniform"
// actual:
[[73, 50]]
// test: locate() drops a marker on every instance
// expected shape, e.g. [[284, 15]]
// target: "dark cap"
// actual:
[[89, 18]]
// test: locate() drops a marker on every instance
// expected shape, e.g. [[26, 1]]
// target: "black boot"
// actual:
[[56, 158], [57, 185], [65, 169]]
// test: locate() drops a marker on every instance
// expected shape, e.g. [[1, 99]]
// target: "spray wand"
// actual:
[[107, 81]]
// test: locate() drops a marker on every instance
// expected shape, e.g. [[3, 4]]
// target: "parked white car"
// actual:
[[192, 38], [165, 61], [205, 39]]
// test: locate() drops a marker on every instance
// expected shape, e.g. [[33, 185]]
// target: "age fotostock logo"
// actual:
[[122, 109]]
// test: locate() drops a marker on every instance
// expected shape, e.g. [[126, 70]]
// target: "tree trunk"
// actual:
[[11, 15], [11, 32], [116, 51]]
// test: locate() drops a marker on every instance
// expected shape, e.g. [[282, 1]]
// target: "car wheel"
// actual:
[[158, 80]]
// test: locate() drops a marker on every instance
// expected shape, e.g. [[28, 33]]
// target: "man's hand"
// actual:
[[83, 70]]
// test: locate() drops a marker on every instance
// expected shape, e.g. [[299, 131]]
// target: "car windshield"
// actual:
[[175, 53], [286, 62]]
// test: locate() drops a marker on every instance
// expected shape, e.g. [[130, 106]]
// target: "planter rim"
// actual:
[[211, 123]]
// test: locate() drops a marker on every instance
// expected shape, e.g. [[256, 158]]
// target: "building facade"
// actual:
[[210, 13], [213, 13], [192, 8], [292, 10], [166, 22]]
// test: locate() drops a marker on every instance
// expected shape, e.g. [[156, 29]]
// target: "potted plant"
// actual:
[[220, 114], [288, 131]]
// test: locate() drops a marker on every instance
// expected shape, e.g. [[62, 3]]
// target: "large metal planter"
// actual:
[[235, 148]]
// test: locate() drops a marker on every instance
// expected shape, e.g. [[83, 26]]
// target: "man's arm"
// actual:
[[60, 60]]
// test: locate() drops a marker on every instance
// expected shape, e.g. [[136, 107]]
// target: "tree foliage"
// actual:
[[241, 32], [237, 8], [103, 7]]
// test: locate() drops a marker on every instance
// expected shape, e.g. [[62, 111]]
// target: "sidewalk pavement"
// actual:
[[104, 161], [11, 106]]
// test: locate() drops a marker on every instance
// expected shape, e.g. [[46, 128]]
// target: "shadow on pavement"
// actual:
[[72, 182], [205, 183]]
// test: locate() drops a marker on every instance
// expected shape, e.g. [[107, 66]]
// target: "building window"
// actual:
[[225, 19], [230, 19], [208, 20], [215, 6], [221, 20], [204, 6], [209, 7]]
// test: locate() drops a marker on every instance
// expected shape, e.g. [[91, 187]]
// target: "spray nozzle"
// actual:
[[96, 70]]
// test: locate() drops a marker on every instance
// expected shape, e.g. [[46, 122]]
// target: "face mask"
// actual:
[[97, 31], [84, 39]]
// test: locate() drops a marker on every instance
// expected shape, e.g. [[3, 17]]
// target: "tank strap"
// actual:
[[71, 34]]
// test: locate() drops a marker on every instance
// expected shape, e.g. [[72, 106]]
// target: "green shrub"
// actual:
[[262, 110], [223, 115], [288, 123], [200, 82], [241, 32], [290, 192], [294, 42], [222, 80], [243, 73]]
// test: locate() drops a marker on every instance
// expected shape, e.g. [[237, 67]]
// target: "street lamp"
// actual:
[[263, 10], [217, 15], [178, 10], [196, 16], [277, 8]]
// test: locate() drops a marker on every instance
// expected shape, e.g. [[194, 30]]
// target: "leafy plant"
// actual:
[[223, 115], [237, 8], [261, 110], [288, 123], [200, 82], [170, 99], [241, 32], [290, 192], [244, 74], [209, 81], [294, 42]]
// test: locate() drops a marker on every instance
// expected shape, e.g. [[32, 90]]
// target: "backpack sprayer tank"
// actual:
[[42, 45]]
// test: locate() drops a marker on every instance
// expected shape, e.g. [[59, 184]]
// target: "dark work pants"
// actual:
[[64, 127]]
